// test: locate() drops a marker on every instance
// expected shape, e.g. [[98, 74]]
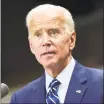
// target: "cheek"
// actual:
[[36, 52], [63, 44], [34, 47], [63, 47]]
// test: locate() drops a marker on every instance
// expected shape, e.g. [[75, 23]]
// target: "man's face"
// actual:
[[49, 42]]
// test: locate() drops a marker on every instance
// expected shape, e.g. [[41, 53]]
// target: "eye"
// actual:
[[37, 34], [53, 32]]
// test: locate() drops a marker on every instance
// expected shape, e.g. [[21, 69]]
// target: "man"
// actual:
[[52, 38]]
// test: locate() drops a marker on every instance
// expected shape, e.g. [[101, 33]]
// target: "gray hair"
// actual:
[[67, 15]]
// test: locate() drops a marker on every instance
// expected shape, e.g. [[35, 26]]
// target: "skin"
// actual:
[[49, 42]]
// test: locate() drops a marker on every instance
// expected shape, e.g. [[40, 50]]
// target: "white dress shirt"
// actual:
[[64, 77]]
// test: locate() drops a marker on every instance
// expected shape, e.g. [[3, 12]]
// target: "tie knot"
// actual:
[[54, 84]]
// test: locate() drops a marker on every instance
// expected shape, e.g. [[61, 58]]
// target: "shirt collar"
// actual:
[[64, 77]]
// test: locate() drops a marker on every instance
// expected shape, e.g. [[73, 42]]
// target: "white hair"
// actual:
[[67, 15]]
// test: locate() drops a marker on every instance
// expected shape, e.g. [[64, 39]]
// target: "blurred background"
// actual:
[[18, 64]]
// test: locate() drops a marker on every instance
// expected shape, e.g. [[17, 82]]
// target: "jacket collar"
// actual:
[[77, 87]]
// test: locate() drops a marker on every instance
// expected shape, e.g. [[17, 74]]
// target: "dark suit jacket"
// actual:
[[87, 80]]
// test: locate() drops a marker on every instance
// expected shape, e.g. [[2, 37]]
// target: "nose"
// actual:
[[46, 40]]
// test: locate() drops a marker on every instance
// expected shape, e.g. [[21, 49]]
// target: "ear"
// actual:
[[72, 41], [30, 44]]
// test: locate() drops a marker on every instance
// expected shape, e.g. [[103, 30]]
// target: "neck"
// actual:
[[56, 69]]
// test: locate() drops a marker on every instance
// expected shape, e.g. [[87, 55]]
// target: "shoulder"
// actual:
[[93, 74], [27, 89]]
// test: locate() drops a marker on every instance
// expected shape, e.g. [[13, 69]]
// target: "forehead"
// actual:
[[55, 22], [50, 19]]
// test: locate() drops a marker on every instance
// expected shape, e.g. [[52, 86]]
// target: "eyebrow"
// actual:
[[36, 30]]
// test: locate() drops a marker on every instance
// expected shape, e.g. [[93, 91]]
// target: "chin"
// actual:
[[49, 63]]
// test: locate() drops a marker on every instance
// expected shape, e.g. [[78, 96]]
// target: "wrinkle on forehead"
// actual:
[[54, 22]]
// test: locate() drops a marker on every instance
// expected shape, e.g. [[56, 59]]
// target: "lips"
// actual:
[[46, 53]]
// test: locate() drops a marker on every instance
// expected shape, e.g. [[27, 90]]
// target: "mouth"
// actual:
[[48, 53]]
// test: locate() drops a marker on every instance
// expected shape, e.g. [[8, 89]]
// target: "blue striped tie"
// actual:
[[52, 96]]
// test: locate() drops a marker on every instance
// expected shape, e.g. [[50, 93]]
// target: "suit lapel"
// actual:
[[77, 88], [40, 91]]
